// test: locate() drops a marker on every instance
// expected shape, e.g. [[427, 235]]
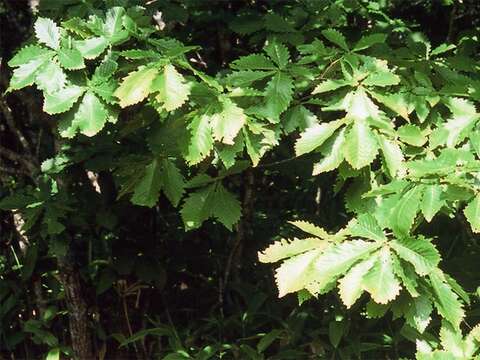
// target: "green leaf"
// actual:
[[407, 274], [226, 208], [173, 183], [445, 300], [47, 33], [283, 249], [93, 47], [29, 53], [393, 155], [330, 85], [411, 134], [432, 201], [361, 146], [405, 211], [472, 213], [91, 115], [113, 27], [197, 207], [419, 252], [70, 59], [369, 40], [201, 143], [253, 62], [311, 229], [135, 86], [335, 37], [366, 226], [212, 201], [147, 190], [25, 74], [62, 100], [295, 273], [53, 354], [228, 123], [380, 281], [418, 313], [278, 96], [333, 154], [315, 136], [397, 102], [171, 87], [51, 78], [359, 106], [350, 286], [278, 53], [336, 260], [464, 118]]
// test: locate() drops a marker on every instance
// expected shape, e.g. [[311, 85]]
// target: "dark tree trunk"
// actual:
[[77, 310]]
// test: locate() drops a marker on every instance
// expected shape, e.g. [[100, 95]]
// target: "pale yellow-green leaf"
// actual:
[[350, 286], [172, 88], [380, 281], [135, 86], [284, 248], [295, 272]]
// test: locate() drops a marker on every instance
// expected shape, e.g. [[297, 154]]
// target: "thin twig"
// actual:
[[451, 23]]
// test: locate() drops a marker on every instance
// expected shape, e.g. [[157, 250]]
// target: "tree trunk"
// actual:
[[77, 310]]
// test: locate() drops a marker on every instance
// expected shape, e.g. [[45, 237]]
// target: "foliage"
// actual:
[[146, 140]]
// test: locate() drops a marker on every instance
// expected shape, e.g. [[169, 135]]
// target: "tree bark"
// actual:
[[77, 310]]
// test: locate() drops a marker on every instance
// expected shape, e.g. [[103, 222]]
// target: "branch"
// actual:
[[29, 164], [7, 112]]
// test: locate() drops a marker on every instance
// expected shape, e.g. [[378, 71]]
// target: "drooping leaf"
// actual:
[[226, 208], [147, 190], [173, 183]]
